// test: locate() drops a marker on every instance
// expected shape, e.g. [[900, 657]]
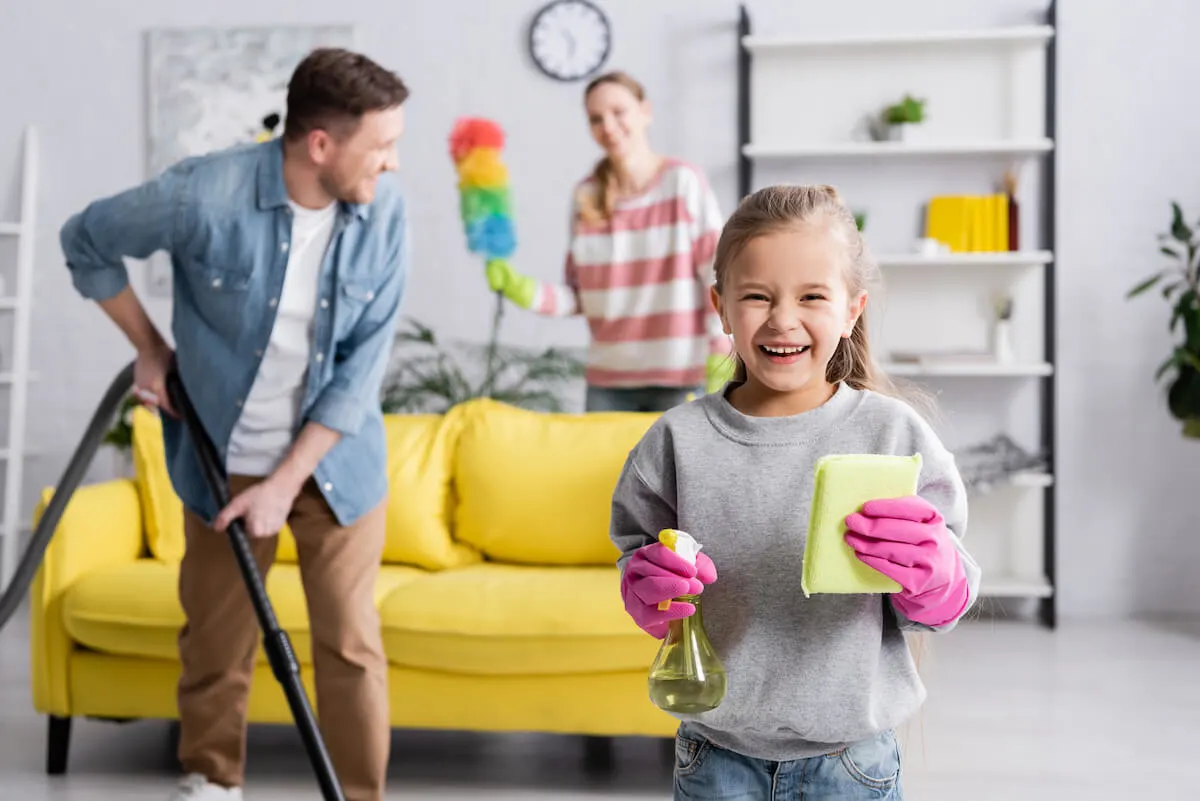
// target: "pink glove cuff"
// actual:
[[939, 606]]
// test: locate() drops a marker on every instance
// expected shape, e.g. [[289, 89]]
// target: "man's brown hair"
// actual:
[[332, 88]]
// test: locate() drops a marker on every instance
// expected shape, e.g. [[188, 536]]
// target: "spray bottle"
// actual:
[[687, 677]]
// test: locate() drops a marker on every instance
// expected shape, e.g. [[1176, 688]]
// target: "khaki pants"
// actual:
[[217, 645]]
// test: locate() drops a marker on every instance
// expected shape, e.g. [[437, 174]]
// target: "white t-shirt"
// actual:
[[266, 428]]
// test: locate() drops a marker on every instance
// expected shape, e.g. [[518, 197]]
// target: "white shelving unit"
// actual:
[[17, 304], [966, 261], [898, 150], [954, 370], [806, 104]]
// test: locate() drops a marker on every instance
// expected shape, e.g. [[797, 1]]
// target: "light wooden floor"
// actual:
[[1016, 713]]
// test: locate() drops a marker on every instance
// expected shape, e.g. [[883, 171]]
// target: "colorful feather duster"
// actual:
[[485, 199]]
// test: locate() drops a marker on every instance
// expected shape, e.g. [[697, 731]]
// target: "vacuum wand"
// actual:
[[275, 640]]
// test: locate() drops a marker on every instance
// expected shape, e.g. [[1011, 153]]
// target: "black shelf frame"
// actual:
[[1047, 606]]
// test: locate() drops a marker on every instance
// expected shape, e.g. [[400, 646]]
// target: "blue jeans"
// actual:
[[869, 769], [637, 399]]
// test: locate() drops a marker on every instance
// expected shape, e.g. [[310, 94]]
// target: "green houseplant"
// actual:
[[431, 376], [901, 119], [119, 436], [1181, 289]]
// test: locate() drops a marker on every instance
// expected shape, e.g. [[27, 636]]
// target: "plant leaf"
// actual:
[[428, 376], [1179, 229], [1189, 358], [1172, 361], [1183, 397], [1143, 286]]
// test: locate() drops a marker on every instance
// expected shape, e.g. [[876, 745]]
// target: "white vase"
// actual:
[[1002, 347], [906, 132]]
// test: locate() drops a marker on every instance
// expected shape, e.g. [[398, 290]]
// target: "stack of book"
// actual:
[[972, 223]]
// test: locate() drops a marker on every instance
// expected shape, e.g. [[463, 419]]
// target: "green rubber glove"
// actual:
[[520, 289], [719, 371]]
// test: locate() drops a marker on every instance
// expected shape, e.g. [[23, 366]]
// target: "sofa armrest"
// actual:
[[100, 527]]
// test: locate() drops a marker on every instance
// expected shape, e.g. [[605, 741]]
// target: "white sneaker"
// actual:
[[195, 787]]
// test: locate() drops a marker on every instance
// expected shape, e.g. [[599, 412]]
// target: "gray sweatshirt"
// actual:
[[805, 675]]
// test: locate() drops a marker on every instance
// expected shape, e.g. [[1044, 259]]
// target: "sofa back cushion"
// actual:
[[536, 488], [420, 459], [420, 501]]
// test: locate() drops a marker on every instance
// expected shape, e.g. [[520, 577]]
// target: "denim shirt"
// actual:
[[225, 221]]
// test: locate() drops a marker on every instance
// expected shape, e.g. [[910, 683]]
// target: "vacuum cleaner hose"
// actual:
[[278, 647], [81, 460]]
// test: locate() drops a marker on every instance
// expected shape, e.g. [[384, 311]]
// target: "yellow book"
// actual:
[[843, 483], [1001, 213], [979, 205], [957, 227], [935, 218]]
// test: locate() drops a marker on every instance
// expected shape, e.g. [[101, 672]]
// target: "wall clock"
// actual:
[[569, 39]]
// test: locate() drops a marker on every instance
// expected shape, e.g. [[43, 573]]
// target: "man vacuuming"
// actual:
[[289, 264]]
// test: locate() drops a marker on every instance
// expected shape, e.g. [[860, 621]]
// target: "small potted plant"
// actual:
[[901, 120], [1182, 292], [119, 437], [430, 376]]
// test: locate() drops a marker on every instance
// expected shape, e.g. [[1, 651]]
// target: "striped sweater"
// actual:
[[642, 281]]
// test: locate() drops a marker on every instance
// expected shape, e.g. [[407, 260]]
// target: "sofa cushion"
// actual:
[[536, 488], [514, 620], [420, 502], [134, 610], [420, 458]]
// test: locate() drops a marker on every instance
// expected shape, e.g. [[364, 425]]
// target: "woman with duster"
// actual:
[[644, 230]]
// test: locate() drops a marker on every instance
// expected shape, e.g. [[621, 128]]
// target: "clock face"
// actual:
[[569, 39]]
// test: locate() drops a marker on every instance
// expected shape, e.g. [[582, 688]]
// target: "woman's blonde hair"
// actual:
[[597, 206], [784, 207]]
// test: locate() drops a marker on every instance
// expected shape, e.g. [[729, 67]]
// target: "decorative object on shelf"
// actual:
[[1002, 348], [1182, 291], [570, 39], [942, 358], [985, 465], [969, 223], [1013, 221], [930, 248], [430, 377], [901, 121]]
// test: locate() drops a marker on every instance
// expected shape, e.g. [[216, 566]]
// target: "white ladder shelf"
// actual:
[[18, 302]]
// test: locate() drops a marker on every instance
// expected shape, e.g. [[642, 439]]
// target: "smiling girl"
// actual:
[[816, 685]]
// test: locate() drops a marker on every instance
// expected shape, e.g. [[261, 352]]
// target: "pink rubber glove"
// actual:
[[906, 539], [656, 573]]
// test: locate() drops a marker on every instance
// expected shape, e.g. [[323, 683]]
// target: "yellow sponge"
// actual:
[[843, 483]]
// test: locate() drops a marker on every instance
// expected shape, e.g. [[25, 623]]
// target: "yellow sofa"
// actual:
[[498, 593]]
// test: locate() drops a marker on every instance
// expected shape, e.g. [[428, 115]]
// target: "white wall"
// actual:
[[1127, 134], [1129, 511]]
